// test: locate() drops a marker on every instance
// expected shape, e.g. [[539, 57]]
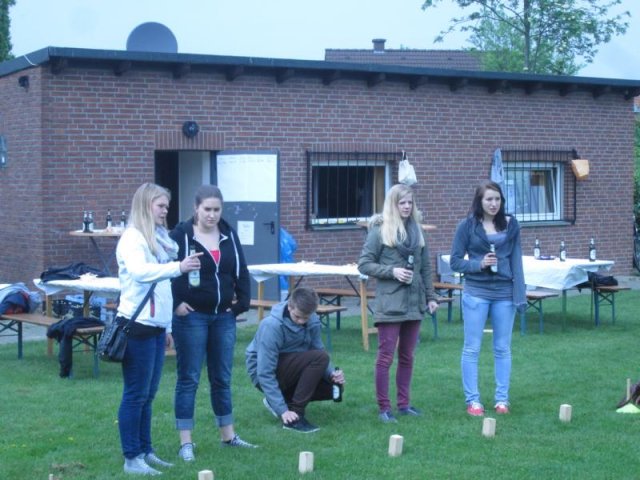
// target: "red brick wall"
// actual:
[[85, 139]]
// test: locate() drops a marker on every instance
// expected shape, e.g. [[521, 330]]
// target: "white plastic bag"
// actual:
[[406, 173]]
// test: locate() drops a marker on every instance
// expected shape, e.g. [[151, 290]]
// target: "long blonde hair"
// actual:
[[393, 230], [141, 217]]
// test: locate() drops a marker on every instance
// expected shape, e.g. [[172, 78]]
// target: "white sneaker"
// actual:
[[138, 466], [186, 452], [153, 459]]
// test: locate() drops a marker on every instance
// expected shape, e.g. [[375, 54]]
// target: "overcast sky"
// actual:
[[292, 29]]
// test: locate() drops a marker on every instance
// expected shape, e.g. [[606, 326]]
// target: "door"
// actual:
[[249, 184]]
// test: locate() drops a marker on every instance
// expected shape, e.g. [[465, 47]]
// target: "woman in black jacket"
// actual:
[[204, 322]]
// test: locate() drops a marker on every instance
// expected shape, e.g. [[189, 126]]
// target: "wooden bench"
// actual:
[[333, 296], [607, 295], [82, 336], [449, 288], [534, 300], [323, 311]]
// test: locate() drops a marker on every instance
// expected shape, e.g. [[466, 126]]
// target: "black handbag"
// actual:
[[113, 341]]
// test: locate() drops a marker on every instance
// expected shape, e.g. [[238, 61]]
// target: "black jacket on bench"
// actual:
[[63, 331]]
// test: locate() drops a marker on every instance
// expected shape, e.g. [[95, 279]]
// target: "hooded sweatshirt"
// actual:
[[220, 283]]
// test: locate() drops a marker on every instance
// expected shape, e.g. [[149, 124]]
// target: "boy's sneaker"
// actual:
[[410, 411], [268, 407], [138, 466], [186, 452], [301, 425], [502, 408], [153, 459], [236, 441], [387, 417], [475, 409]]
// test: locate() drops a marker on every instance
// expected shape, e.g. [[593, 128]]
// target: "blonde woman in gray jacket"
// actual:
[[396, 254]]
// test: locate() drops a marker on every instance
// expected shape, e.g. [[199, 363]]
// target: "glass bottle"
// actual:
[[536, 249], [492, 249], [109, 220], [409, 266], [337, 389], [85, 222], [194, 275], [123, 219], [90, 221], [563, 251], [592, 250]]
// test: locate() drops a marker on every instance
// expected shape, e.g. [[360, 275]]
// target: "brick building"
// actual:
[[83, 128]]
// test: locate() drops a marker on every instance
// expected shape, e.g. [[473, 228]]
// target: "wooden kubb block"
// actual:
[[305, 462], [395, 445], [489, 427], [565, 413], [205, 475]]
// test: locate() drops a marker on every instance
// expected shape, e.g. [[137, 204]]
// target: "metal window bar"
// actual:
[[540, 185], [343, 187]]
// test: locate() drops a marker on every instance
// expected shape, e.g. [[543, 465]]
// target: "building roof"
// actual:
[[327, 72], [450, 59]]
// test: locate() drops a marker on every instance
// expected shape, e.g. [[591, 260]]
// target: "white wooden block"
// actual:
[[565, 413], [205, 475], [489, 427], [395, 445], [305, 462]]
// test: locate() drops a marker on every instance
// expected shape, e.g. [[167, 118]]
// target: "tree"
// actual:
[[5, 35], [537, 36]]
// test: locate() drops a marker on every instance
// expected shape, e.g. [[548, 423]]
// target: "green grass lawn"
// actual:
[[68, 427]]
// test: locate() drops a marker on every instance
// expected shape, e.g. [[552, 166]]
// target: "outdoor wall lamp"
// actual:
[[190, 129], [3, 152], [23, 81]]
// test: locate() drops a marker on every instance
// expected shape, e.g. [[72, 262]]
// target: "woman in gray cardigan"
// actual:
[[494, 286], [396, 254]]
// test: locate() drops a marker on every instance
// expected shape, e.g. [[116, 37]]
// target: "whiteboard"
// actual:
[[248, 177]]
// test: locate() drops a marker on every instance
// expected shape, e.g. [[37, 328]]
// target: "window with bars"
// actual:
[[539, 185], [346, 188]]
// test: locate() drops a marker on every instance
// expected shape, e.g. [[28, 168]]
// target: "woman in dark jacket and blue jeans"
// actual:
[[204, 322], [493, 286]]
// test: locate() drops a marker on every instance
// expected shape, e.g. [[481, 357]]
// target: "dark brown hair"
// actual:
[[500, 220]]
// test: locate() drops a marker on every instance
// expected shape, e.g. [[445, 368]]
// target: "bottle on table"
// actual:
[[337, 389], [85, 222], [536, 249], [492, 249], [194, 275], [563, 251], [123, 220], [91, 221], [109, 221], [592, 250]]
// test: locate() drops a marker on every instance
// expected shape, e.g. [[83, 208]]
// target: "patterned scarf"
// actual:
[[168, 248]]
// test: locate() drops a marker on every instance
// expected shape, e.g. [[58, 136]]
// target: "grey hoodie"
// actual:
[[279, 334]]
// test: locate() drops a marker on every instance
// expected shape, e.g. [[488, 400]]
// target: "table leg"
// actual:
[[364, 315], [105, 262], [564, 309], [260, 297]]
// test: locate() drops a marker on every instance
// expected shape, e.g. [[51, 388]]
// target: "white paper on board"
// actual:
[[246, 231]]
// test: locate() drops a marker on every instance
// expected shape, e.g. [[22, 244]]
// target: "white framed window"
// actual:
[[346, 188], [539, 185], [533, 193]]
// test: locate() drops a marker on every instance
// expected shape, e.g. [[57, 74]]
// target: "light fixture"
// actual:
[[3, 151], [190, 129], [23, 81]]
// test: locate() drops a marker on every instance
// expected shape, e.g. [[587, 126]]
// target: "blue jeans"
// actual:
[[475, 311], [141, 372], [196, 336]]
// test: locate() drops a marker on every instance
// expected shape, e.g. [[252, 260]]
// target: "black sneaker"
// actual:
[[301, 425]]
